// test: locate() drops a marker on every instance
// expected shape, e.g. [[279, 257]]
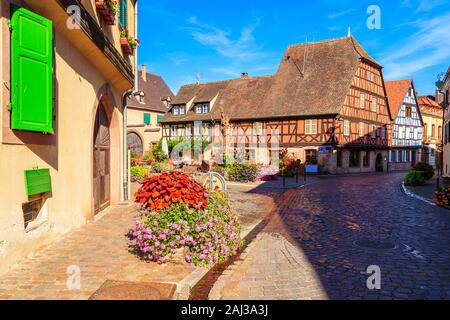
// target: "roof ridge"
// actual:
[[227, 80], [317, 42]]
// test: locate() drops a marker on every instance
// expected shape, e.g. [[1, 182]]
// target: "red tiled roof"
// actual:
[[396, 92]]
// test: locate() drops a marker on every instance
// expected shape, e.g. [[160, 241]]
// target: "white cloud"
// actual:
[[427, 5], [240, 49], [340, 13], [421, 50]]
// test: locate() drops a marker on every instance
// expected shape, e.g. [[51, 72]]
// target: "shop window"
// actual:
[[354, 158], [311, 156]]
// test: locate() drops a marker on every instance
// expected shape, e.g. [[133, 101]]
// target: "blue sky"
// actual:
[[218, 40]]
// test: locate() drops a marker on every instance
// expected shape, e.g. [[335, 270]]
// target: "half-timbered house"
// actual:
[[406, 142], [432, 115], [326, 103]]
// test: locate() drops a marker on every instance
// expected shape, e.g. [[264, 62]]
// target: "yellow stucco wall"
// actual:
[[78, 86], [429, 140], [135, 120]]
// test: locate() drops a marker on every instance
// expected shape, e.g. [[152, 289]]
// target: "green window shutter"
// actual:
[[147, 118], [31, 72], [160, 117], [37, 181], [123, 14]]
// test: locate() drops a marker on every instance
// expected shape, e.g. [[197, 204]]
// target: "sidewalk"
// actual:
[[428, 190]]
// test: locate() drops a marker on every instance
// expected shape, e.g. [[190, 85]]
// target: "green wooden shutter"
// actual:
[[159, 118], [123, 14], [37, 181], [147, 118], [31, 72]]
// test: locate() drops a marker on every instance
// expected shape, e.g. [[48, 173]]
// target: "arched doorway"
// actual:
[[135, 144], [102, 148], [379, 163]]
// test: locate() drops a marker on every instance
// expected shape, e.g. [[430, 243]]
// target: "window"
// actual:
[[370, 76], [346, 128], [339, 158], [400, 156], [425, 131], [362, 101], [311, 156], [159, 118], [373, 106], [354, 158], [179, 110], [147, 118], [173, 131], [373, 131], [408, 156], [31, 72], [439, 133], [362, 129], [311, 126], [393, 156], [202, 108], [408, 111], [123, 14], [383, 132], [433, 131], [366, 159]]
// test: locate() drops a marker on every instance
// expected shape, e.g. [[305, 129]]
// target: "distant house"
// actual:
[[145, 112], [406, 142], [327, 102], [446, 103], [432, 114]]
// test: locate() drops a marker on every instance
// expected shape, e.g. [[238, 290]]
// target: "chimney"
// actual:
[[244, 75], [144, 72], [439, 97]]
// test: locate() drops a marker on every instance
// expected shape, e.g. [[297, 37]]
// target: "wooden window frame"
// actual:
[[347, 128], [361, 129], [311, 124], [362, 101]]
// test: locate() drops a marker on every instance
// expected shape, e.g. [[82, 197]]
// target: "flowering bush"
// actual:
[[113, 6], [138, 172], [169, 188], [239, 172], [267, 173], [288, 166], [442, 197], [426, 169], [207, 234]]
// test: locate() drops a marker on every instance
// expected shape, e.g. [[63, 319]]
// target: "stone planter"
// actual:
[[105, 12], [126, 47]]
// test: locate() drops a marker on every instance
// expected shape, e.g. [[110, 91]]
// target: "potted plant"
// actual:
[[108, 10], [128, 42]]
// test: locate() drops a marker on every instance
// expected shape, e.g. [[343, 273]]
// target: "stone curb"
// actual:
[[411, 194], [185, 286]]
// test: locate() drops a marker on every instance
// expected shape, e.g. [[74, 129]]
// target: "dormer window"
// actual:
[[202, 108], [179, 110]]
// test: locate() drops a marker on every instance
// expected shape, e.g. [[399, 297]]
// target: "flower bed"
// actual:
[[138, 173], [442, 197], [238, 172], [108, 10], [180, 216]]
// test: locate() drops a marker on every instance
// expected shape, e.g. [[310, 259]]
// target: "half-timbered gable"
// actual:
[[407, 126]]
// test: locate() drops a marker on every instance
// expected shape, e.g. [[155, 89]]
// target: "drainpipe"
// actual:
[[125, 97]]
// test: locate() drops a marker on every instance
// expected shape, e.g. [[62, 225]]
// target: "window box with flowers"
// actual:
[[128, 43], [108, 10]]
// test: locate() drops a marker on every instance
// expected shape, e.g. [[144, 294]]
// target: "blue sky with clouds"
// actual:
[[218, 40]]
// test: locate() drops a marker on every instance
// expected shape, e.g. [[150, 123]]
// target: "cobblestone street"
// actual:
[[320, 241]]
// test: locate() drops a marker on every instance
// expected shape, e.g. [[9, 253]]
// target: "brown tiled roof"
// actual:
[[155, 90], [428, 105], [312, 79], [396, 92]]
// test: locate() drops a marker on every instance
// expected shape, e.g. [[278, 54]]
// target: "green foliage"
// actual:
[[158, 153], [239, 172], [426, 169], [415, 178], [160, 167], [138, 172], [184, 143]]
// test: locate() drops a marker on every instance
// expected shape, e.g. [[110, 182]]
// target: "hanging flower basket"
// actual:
[[128, 42], [108, 10]]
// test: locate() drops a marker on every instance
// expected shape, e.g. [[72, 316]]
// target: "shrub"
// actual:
[[160, 167], [161, 191], [158, 153], [426, 169], [415, 178], [442, 197], [288, 166], [238, 172], [138, 173], [208, 236]]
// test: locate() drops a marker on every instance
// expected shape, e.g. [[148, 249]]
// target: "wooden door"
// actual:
[[102, 146]]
